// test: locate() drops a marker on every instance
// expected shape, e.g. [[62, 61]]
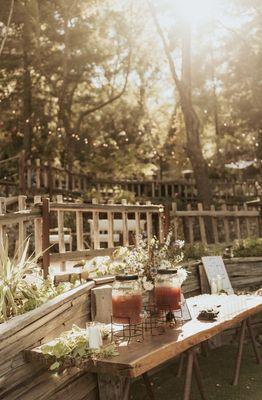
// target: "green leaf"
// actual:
[[54, 366]]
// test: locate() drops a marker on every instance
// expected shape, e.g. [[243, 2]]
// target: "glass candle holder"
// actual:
[[167, 290], [127, 300]]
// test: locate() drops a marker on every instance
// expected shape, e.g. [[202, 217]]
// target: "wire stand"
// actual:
[[126, 331]]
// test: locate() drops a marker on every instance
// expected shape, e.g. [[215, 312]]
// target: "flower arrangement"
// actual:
[[143, 260]]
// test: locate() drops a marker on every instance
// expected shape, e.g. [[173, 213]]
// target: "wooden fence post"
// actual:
[[202, 224], [79, 230], [45, 236], [237, 224], [226, 224], [214, 225], [38, 229], [149, 225], [190, 226], [175, 220], [2, 228], [21, 226], [50, 178], [95, 216], [61, 233], [21, 167], [110, 217], [166, 217], [38, 174]]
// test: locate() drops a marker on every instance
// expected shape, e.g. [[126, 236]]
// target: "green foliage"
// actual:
[[21, 286], [197, 250], [116, 195], [250, 247], [72, 349]]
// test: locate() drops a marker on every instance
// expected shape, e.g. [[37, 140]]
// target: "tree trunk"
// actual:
[[192, 123], [194, 148], [27, 92]]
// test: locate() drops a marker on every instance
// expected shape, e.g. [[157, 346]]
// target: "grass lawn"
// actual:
[[217, 370]]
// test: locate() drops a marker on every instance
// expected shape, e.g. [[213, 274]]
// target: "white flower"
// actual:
[[147, 285], [180, 243], [102, 269], [34, 280], [181, 275], [165, 264]]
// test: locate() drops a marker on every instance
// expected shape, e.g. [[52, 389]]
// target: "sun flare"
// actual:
[[196, 11]]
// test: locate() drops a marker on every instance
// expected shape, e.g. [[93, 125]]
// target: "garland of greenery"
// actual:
[[71, 349]]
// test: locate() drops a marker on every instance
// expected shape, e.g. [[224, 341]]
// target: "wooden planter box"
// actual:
[[21, 380], [243, 273]]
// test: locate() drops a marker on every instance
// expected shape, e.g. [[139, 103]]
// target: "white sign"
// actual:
[[214, 266]]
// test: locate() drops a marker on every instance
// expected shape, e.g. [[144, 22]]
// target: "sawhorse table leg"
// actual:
[[113, 387], [245, 324], [193, 366], [116, 388]]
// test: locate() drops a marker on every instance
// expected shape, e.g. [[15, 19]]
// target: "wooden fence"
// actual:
[[89, 229], [225, 224], [36, 177]]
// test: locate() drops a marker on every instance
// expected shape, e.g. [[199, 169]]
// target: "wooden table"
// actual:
[[136, 359]]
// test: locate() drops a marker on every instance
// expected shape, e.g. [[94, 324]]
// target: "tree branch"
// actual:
[[110, 100], [165, 45], [7, 26]]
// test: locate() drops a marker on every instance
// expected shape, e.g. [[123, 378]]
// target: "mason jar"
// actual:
[[167, 290], [127, 300]]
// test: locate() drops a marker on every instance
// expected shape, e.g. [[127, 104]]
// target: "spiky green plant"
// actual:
[[15, 289]]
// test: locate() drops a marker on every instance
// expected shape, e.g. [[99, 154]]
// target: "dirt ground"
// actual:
[[217, 370]]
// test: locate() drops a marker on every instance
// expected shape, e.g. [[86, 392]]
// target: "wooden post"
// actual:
[[164, 223], [2, 228], [21, 167], [101, 304], [45, 236], [138, 230], [149, 226], [166, 189], [79, 231], [21, 226], [45, 176], [29, 175], [113, 387], [175, 220], [226, 225], [50, 178], [110, 217], [38, 174], [153, 190], [61, 233], [240, 352], [38, 229], [96, 230], [214, 225], [247, 222], [190, 226], [202, 225], [237, 224]]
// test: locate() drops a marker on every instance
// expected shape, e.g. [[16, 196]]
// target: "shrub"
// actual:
[[250, 247]]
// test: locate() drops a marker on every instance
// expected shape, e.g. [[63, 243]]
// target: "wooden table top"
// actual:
[[137, 358]]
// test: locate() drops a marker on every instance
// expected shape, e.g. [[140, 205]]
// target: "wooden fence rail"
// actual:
[[225, 224], [92, 229], [36, 177]]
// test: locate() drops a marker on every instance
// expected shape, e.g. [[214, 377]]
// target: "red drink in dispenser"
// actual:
[[168, 298], [127, 309], [127, 300], [167, 290]]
